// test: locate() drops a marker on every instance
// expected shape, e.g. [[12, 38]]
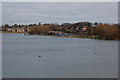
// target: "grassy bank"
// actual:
[[74, 36], [9, 32]]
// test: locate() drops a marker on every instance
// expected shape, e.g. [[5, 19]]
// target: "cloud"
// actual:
[[0, 13], [60, 0], [50, 12]]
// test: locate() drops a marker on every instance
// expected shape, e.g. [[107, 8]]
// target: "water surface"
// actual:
[[58, 57]]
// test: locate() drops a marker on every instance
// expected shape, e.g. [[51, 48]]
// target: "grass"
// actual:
[[9, 32]]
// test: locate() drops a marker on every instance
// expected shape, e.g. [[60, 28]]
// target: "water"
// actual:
[[0, 56], [58, 57]]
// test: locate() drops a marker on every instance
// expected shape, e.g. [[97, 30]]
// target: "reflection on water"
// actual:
[[58, 57]]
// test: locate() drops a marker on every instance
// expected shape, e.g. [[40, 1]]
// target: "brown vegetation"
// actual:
[[83, 29], [41, 29], [107, 31]]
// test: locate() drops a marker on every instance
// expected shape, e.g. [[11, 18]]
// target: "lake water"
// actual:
[[58, 57]]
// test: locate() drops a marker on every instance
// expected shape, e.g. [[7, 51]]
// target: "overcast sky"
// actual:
[[60, 0], [59, 12], [0, 13]]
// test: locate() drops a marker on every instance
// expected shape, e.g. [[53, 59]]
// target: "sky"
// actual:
[[59, 12], [0, 13], [60, 0]]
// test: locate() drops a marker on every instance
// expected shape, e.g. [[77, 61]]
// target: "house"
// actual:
[[14, 29], [84, 28], [9, 29], [54, 32], [59, 33], [23, 30], [87, 31]]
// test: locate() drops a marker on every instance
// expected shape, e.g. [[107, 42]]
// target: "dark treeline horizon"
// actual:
[[55, 23], [84, 29]]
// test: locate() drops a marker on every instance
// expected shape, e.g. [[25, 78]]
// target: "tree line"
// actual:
[[99, 30], [107, 31]]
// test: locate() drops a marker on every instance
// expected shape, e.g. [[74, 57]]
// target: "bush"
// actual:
[[107, 31], [41, 29]]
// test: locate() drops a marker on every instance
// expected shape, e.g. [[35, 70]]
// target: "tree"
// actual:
[[107, 31], [6, 25], [39, 23], [15, 25], [96, 23]]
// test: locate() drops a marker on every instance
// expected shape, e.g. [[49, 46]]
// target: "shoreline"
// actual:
[[74, 36]]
